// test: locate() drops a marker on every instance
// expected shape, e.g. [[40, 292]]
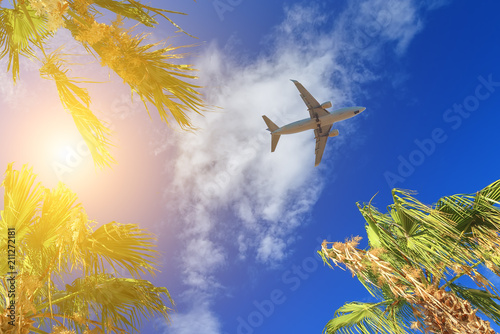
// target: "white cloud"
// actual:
[[203, 256], [435, 4], [236, 200], [14, 96], [392, 21], [270, 249], [199, 320]]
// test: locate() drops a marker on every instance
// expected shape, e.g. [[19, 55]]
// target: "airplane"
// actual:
[[320, 120]]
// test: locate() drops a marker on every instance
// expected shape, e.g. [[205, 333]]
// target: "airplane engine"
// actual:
[[333, 133], [326, 105]]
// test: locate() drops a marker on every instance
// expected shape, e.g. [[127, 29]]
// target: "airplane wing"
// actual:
[[321, 134], [315, 110]]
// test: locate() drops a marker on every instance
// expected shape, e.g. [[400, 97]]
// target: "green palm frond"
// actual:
[[19, 29], [372, 227], [427, 249], [468, 211], [370, 318], [492, 191], [77, 101], [418, 235]]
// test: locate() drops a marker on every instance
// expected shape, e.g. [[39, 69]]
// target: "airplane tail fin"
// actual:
[[274, 141], [272, 127]]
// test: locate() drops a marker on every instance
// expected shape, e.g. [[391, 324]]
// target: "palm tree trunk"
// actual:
[[445, 313]]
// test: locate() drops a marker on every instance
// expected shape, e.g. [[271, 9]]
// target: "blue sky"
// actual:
[[239, 226], [410, 63]]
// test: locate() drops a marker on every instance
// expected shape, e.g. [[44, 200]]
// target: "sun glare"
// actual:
[[68, 152]]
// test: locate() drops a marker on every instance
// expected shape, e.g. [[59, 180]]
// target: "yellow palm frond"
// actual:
[[139, 12], [50, 235], [117, 302], [126, 245], [19, 29], [77, 101], [21, 200], [54, 239], [161, 82], [151, 72]]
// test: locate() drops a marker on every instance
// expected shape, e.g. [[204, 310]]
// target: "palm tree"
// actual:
[[426, 265], [50, 239], [151, 71]]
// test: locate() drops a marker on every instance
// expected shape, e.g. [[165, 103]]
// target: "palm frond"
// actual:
[[372, 228], [77, 101], [134, 11], [154, 77], [150, 71], [53, 237], [420, 252], [139, 12], [369, 318], [125, 245], [115, 302], [491, 192], [21, 200], [19, 30], [56, 211]]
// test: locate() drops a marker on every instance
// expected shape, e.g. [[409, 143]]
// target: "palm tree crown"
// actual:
[[52, 239], [151, 71], [416, 256]]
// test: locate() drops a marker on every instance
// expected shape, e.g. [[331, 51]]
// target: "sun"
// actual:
[[67, 153]]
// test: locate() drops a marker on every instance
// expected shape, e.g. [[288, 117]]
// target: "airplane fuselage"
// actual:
[[311, 123]]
